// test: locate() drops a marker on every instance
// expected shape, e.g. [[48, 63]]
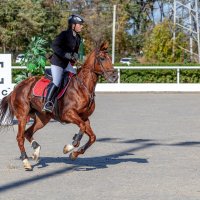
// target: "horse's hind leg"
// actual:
[[40, 120], [20, 140], [92, 139]]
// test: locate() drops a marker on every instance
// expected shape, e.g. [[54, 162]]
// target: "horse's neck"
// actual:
[[88, 78]]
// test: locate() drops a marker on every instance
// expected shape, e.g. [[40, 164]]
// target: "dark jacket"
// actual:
[[64, 43]]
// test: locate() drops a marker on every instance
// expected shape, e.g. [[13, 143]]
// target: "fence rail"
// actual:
[[146, 87], [177, 68]]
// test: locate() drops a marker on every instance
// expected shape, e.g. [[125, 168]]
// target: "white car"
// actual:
[[19, 58], [126, 61]]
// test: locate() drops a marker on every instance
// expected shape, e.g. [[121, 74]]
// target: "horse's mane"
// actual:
[[103, 48], [86, 61]]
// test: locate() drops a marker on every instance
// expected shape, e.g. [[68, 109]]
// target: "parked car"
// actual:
[[127, 61], [19, 58]]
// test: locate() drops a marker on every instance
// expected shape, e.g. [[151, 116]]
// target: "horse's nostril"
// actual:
[[115, 77]]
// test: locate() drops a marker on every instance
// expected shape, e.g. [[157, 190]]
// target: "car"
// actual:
[[126, 61], [19, 58]]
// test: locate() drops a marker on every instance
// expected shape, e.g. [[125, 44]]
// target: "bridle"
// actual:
[[100, 60], [103, 72]]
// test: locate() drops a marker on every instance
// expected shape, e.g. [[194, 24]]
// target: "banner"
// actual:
[[6, 85]]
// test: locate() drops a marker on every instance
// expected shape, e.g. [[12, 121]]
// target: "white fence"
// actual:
[[146, 87], [151, 87]]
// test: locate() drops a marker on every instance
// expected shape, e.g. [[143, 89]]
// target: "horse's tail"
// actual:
[[6, 112]]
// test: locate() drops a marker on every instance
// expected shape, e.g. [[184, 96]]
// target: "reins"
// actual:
[[104, 72], [91, 95]]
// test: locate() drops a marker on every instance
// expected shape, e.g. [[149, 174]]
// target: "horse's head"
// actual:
[[103, 64]]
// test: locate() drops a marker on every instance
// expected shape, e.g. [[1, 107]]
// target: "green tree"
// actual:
[[141, 15], [21, 20], [159, 45]]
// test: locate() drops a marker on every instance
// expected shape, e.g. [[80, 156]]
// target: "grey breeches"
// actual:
[[57, 73]]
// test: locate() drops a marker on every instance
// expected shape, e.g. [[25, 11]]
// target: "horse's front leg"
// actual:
[[92, 139], [76, 142], [73, 117]]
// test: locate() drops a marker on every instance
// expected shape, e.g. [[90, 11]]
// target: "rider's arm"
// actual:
[[76, 49], [57, 45], [65, 45]]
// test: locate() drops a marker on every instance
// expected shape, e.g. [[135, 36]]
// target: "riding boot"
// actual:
[[49, 102]]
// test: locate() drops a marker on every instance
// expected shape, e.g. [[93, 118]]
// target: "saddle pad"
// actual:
[[39, 89], [40, 86]]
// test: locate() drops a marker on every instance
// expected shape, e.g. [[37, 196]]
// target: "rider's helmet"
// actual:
[[75, 19]]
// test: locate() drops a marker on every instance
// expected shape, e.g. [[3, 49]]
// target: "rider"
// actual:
[[65, 48]]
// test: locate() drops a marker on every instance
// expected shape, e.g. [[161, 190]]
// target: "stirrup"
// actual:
[[48, 108]]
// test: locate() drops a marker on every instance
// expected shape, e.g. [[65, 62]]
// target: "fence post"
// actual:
[[118, 70], [178, 75]]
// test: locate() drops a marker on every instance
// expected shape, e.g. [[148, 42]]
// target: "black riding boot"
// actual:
[[49, 102]]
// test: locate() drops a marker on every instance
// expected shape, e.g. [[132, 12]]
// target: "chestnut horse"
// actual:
[[76, 105]]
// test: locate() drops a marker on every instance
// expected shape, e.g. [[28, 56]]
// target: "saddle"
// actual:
[[40, 88]]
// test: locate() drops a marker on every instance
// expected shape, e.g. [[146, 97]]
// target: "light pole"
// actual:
[[113, 34]]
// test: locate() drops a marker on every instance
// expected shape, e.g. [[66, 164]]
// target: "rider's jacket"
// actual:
[[64, 43]]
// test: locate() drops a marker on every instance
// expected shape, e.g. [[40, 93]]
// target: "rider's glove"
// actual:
[[75, 56], [68, 56]]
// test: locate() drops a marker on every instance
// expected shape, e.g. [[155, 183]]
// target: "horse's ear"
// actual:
[[104, 46]]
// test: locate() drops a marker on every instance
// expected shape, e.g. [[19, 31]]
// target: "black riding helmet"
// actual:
[[75, 19]]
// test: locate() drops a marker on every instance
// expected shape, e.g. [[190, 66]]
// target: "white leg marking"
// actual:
[[36, 154], [27, 165], [67, 148]]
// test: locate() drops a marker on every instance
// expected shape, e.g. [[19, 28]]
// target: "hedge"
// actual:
[[147, 76]]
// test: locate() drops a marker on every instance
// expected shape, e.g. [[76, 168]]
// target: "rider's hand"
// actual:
[[68, 56], [75, 56]]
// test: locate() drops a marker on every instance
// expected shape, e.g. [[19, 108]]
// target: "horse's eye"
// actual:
[[102, 58]]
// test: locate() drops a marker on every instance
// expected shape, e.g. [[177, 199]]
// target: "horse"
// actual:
[[75, 106]]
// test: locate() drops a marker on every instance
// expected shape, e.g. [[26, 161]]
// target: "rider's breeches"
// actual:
[[57, 73]]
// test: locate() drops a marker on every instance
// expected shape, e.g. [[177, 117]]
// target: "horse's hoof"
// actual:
[[72, 156], [68, 148], [36, 154], [27, 165]]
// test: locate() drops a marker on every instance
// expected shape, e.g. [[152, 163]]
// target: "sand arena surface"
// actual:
[[147, 148]]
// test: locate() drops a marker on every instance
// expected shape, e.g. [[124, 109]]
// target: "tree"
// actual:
[[21, 20], [99, 22], [159, 45]]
